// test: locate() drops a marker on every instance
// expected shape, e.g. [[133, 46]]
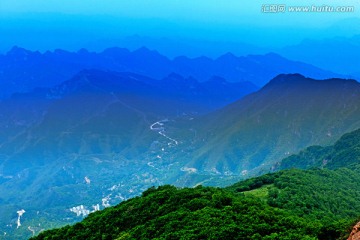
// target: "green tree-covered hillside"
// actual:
[[292, 204]]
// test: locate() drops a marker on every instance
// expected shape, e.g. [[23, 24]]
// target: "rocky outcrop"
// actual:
[[355, 233]]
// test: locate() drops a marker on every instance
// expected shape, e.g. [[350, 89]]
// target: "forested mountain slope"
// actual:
[[291, 204], [344, 153]]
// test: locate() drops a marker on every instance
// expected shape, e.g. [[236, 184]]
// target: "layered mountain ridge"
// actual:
[[22, 70]]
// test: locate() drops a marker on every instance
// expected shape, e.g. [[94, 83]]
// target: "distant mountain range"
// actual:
[[22, 70], [177, 47]]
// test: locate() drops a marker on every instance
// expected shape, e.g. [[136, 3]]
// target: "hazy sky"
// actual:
[[71, 24]]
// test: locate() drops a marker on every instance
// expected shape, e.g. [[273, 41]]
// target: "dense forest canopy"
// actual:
[[291, 204]]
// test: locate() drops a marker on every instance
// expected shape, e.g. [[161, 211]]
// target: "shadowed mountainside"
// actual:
[[288, 114]]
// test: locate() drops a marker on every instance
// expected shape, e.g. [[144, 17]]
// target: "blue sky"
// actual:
[[72, 24]]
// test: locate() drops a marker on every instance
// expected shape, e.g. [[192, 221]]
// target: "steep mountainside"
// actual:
[[344, 153], [288, 114], [291, 204], [22, 70]]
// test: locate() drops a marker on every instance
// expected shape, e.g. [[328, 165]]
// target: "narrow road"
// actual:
[[159, 127]]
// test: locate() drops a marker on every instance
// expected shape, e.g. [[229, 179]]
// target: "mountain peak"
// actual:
[[274, 55], [144, 50], [290, 76], [18, 51], [297, 78], [82, 51], [227, 57], [287, 78]]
